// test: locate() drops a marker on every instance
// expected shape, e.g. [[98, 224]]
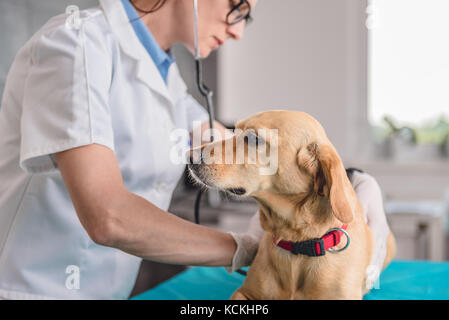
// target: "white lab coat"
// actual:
[[69, 88]]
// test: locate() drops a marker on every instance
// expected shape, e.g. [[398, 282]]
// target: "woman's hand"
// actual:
[[370, 196], [247, 244]]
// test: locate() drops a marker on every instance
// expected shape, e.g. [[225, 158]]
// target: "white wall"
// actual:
[[298, 55]]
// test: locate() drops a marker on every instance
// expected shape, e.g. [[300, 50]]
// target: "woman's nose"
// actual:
[[236, 30]]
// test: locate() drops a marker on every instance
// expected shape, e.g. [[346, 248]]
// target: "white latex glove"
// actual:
[[370, 196], [247, 244]]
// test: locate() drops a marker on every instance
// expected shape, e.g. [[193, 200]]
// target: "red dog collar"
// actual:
[[316, 247]]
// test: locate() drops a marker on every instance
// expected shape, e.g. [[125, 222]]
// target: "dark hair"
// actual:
[[157, 6]]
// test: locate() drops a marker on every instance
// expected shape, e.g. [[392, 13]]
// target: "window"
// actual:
[[409, 65]]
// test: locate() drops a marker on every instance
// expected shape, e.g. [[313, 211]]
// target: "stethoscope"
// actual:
[[207, 94], [205, 91]]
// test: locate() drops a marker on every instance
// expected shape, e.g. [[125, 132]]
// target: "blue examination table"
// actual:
[[402, 280]]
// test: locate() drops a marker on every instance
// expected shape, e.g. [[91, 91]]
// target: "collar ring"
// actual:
[[348, 238]]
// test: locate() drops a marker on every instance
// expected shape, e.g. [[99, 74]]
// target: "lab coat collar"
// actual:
[[161, 58], [147, 71]]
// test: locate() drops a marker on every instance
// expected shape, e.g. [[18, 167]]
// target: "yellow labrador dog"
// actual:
[[307, 196]]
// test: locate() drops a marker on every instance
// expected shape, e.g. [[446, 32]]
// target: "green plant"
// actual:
[[432, 132]]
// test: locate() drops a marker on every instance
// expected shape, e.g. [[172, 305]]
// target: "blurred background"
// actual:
[[373, 72]]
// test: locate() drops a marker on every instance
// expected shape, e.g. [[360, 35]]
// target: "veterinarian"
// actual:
[[85, 172]]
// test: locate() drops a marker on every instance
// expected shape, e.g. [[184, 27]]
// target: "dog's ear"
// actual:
[[330, 179]]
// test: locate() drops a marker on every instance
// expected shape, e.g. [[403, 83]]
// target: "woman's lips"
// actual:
[[218, 42]]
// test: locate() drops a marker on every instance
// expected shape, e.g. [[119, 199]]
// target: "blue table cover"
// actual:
[[402, 280]]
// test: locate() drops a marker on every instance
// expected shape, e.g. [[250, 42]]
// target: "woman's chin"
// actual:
[[205, 52]]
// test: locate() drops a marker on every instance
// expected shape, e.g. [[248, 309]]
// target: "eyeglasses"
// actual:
[[239, 12]]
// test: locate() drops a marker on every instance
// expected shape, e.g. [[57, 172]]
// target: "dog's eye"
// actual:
[[253, 140]]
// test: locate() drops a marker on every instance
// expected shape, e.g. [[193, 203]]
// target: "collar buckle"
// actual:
[[311, 248]]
